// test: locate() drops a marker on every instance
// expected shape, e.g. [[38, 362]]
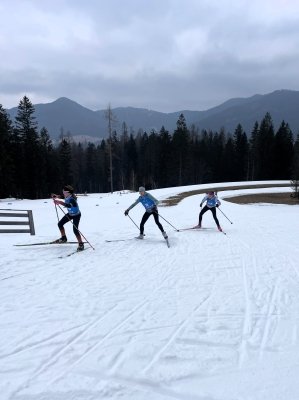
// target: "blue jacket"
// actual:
[[72, 206], [148, 201]]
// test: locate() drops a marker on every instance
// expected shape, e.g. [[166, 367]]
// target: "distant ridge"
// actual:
[[67, 116]]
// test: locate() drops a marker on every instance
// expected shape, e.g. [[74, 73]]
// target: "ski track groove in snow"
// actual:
[[247, 323], [106, 336], [38, 343], [172, 337], [270, 318], [70, 341], [146, 384]]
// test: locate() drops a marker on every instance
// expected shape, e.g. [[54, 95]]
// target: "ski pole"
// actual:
[[225, 215], [168, 222], [56, 212], [133, 222], [76, 227], [54, 197]]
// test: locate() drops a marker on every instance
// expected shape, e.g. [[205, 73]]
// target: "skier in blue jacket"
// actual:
[[150, 205], [212, 202], [74, 215]]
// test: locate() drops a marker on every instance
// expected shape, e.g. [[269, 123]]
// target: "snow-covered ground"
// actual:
[[215, 317]]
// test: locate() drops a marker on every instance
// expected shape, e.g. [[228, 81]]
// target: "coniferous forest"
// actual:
[[32, 167]]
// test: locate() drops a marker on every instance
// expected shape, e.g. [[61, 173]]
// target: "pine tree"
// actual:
[[65, 163], [151, 160], [130, 162], [253, 153], [283, 152], [123, 159], [265, 146], [78, 166], [164, 157], [216, 153], [48, 167], [295, 168], [6, 161], [180, 152], [228, 169], [103, 169], [91, 181], [27, 141], [142, 145], [240, 142], [202, 157]]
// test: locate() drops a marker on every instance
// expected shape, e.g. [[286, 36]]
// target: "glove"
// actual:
[[155, 210], [200, 205], [217, 205], [126, 212]]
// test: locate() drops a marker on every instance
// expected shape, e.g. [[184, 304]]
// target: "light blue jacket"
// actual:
[[148, 201], [211, 201]]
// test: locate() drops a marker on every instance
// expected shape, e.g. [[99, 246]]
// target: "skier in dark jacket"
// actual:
[[212, 202], [74, 215], [150, 205]]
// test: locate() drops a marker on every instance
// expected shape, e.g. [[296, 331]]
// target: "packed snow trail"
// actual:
[[212, 318]]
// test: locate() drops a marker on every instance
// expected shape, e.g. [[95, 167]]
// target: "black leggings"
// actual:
[[66, 218], [213, 211], [146, 216]]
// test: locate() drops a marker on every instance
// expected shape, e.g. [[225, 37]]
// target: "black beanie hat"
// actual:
[[68, 188]]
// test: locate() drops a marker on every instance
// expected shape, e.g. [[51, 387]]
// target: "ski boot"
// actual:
[[63, 239], [80, 247]]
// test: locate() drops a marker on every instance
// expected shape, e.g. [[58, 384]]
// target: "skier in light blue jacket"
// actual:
[[150, 205], [212, 202]]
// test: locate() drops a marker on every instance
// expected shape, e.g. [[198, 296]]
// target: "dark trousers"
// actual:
[[66, 218], [146, 216], [213, 211]]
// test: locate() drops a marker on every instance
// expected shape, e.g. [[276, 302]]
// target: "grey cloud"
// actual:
[[160, 55]]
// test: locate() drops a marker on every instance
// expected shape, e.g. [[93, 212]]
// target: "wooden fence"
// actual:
[[15, 218]]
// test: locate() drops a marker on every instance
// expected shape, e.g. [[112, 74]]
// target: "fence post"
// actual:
[[31, 223]]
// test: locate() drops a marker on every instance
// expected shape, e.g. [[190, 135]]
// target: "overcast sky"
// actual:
[[164, 55]]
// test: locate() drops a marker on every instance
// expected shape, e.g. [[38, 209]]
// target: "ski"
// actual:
[[121, 240], [134, 238], [166, 240], [42, 243], [118, 240], [73, 252], [194, 228]]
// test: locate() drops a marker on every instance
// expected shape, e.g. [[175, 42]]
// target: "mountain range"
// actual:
[[66, 116]]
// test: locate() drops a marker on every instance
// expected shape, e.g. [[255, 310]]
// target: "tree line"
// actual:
[[31, 166]]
